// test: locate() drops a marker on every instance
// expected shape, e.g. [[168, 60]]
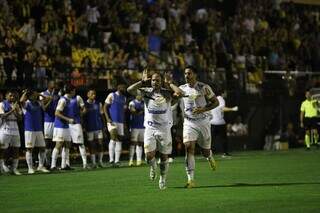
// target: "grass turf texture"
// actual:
[[249, 182]]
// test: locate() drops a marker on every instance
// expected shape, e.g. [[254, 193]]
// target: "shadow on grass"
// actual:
[[252, 185]]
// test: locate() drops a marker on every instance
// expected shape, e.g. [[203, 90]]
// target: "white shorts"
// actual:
[[76, 133], [94, 135], [9, 140], [61, 135], [199, 131], [137, 135], [48, 130], [118, 126], [34, 139], [158, 140]]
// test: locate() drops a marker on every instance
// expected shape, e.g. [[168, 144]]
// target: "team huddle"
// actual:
[[62, 119]]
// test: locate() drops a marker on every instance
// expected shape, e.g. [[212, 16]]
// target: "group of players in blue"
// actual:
[[62, 117]]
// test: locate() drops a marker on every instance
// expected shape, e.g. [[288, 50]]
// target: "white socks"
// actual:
[[83, 154], [164, 167], [112, 145], [41, 157], [100, 154], [139, 152], [153, 163], [131, 152], [15, 163], [93, 159], [190, 165], [29, 159], [55, 153], [118, 149]]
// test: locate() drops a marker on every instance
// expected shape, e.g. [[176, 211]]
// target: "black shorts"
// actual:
[[219, 130], [310, 123]]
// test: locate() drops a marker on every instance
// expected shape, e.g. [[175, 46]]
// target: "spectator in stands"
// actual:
[[238, 128]]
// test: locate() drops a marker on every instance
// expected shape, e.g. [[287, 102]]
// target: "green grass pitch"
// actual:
[[259, 181]]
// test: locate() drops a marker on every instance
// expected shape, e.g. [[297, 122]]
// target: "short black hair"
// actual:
[[190, 67], [68, 88]]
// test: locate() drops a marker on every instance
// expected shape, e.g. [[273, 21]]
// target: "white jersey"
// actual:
[[196, 97], [158, 113], [8, 125], [217, 113]]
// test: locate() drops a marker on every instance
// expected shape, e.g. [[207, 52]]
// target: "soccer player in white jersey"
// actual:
[[197, 102], [157, 121], [136, 108], [9, 131], [33, 128]]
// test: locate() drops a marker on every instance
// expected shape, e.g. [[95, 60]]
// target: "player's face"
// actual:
[[73, 93], [34, 96], [139, 97], [10, 97], [156, 81], [308, 95], [122, 88], [92, 95], [51, 85], [189, 76]]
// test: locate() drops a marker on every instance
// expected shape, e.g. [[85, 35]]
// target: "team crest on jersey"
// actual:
[[159, 100]]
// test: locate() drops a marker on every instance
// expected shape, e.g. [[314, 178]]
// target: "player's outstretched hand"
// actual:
[[145, 75]]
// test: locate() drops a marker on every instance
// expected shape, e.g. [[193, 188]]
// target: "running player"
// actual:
[[114, 110], [33, 128], [136, 108], [93, 121], [10, 112], [158, 122], [197, 102]]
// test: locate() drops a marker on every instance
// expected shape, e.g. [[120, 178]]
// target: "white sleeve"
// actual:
[[109, 99], [1, 108], [80, 101], [40, 97], [222, 102], [61, 105], [131, 105]]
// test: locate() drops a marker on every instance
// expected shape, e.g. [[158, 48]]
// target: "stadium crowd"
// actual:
[[109, 40], [230, 42]]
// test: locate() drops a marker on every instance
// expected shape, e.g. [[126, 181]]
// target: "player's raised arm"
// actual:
[[177, 92], [134, 87]]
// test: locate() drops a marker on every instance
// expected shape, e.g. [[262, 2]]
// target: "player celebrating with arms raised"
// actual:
[[198, 100], [157, 121]]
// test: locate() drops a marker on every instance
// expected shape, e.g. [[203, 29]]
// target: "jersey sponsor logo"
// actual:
[[153, 111]]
